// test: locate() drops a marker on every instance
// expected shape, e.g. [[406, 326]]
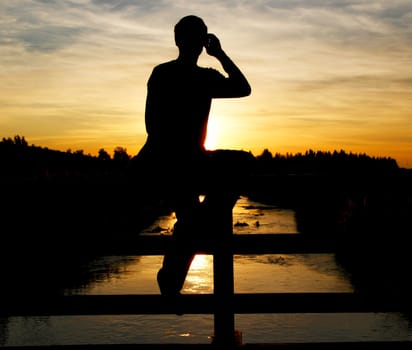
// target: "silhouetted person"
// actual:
[[173, 162]]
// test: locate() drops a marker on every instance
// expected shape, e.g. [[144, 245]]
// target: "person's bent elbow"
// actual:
[[247, 90], [236, 89]]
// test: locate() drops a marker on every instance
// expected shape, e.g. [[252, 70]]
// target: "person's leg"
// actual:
[[179, 256]]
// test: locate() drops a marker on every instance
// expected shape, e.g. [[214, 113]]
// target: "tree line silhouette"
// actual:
[[324, 162], [20, 160]]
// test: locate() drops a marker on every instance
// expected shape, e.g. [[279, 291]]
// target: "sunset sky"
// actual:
[[325, 75]]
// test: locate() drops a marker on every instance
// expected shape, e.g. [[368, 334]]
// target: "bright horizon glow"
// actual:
[[325, 76]]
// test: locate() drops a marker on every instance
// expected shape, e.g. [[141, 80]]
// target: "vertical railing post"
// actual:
[[223, 279]]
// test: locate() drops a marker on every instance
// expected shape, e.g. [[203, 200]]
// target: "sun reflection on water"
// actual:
[[199, 278]]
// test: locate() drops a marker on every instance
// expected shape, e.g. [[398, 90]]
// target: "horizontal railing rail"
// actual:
[[243, 303]]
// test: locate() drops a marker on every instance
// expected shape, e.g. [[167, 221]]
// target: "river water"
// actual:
[[253, 273]]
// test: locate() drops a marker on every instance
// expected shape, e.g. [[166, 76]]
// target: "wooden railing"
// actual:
[[223, 303]]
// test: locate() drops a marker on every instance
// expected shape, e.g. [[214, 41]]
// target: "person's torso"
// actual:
[[180, 101]]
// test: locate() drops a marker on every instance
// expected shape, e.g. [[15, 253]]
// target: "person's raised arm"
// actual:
[[237, 86]]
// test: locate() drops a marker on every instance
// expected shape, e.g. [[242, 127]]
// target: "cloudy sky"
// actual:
[[325, 75]]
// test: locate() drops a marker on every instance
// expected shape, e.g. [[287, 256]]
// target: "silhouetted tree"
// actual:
[[120, 157], [20, 141], [265, 156], [79, 152], [103, 155]]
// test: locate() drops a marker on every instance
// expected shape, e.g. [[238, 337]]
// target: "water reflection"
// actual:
[[200, 277], [253, 274], [275, 273], [253, 217], [248, 217]]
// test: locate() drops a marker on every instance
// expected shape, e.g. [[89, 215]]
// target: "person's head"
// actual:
[[190, 34]]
